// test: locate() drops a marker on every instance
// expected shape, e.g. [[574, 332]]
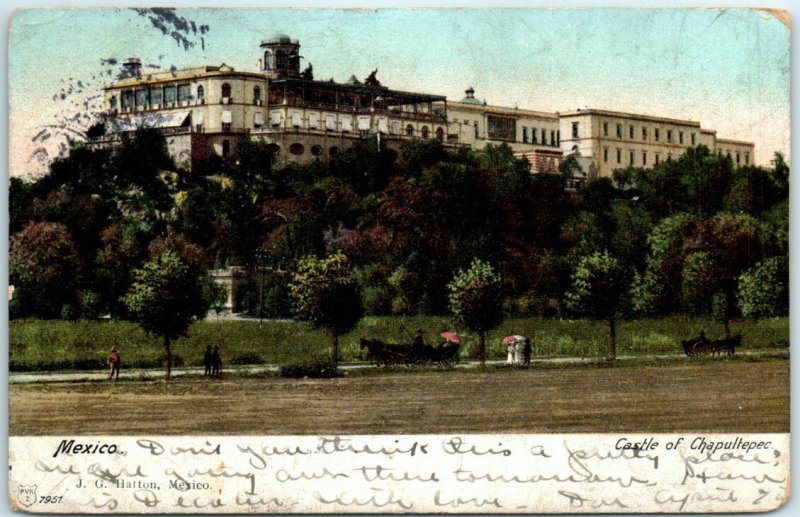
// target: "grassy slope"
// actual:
[[54, 345]]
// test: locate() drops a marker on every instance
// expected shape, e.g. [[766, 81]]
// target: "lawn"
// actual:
[[707, 396], [84, 345]]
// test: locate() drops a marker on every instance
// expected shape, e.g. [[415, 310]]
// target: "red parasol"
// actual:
[[451, 337], [513, 339]]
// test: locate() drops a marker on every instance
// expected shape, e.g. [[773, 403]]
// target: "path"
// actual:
[[154, 373]]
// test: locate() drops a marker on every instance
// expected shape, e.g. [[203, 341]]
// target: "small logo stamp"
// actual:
[[26, 494]]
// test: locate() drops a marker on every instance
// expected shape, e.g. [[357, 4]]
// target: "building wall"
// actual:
[[617, 140], [606, 140], [470, 122], [741, 153]]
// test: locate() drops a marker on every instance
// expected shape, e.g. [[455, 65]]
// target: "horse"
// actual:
[[376, 351], [727, 345], [688, 347]]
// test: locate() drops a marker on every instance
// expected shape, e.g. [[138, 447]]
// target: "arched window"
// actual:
[[112, 102], [410, 130], [201, 94], [267, 60], [226, 90], [316, 150], [425, 131], [280, 59], [440, 134], [256, 93], [297, 148], [226, 148], [333, 151]]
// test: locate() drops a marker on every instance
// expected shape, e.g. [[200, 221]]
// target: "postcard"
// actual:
[[398, 261]]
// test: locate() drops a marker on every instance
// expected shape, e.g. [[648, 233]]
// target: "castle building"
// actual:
[[208, 109]]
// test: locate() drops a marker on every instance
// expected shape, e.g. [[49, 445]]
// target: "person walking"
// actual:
[[216, 362], [207, 361], [526, 352], [510, 350], [114, 364]]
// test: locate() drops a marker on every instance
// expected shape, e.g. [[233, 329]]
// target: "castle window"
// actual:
[[747, 158], [575, 127], [440, 134], [316, 150], [267, 60], [280, 59], [644, 133], [409, 130], [226, 120], [619, 130], [258, 119], [619, 155], [533, 135], [201, 92], [297, 119], [669, 135], [737, 158], [297, 149], [425, 131], [127, 99], [644, 157], [632, 157], [477, 130], [693, 139], [184, 93], [524, 134], [501, 128], [170, 95], [226, 90], [256, 94], [333, 151], [554, 138], [605, 128], [630, 132], [680, 137], [156, 96], [142, 99], [657, 134], [226, 148], [657, 159], [544, 136], [605, 154]]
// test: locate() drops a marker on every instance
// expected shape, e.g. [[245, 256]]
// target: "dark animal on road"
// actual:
[[727, 345], [688, 347]]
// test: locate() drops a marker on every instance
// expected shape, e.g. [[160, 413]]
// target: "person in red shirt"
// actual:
[[113, 363]]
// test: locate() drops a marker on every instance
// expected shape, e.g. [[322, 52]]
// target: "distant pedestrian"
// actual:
[[208, 361], [510, 350], [216, 362], [114, 364], [526, 352]]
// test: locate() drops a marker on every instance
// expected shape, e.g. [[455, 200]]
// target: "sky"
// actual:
[[727, 69]]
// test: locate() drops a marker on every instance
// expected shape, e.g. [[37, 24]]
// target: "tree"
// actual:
[[599, 287], [166, 297], [476, 300], [764, 290], [308, 73], [325, 292], [44, 266]]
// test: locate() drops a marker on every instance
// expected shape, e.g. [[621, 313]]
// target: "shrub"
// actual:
[[763, 290], [319, 370]]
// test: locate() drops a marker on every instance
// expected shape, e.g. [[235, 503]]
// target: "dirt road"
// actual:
[[724, 396]]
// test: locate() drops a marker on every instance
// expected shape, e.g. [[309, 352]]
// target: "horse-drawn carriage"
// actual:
[[703, 346], [388, 354]]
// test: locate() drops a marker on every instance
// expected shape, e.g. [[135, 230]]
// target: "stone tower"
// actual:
[[280, 57]]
